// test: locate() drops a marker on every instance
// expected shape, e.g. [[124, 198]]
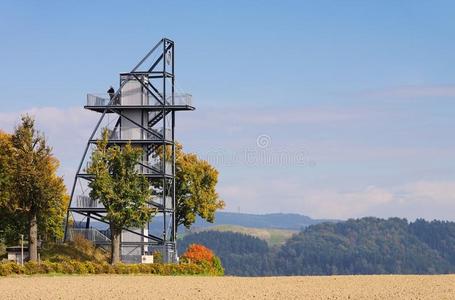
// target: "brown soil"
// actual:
[[182, 287]]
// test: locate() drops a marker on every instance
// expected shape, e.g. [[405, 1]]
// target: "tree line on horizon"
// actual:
[[358, 246]]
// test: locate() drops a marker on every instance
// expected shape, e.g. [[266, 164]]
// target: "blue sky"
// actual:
[[358, 96]]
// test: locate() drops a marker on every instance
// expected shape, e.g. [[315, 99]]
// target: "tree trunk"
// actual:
[[115, 247], [33, 237]]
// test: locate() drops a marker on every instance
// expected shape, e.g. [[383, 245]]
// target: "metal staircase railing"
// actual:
[[97, 100]]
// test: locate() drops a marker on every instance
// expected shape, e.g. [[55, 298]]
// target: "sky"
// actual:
[[332, 109]]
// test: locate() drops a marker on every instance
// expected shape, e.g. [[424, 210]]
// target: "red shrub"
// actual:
[[198, 253]]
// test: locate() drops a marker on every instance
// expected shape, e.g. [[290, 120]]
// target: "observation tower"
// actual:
[[141, 112]]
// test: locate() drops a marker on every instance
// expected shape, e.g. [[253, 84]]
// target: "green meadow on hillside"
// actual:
[[272, 236]]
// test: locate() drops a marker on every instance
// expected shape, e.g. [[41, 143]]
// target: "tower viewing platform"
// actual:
[[99, 102]]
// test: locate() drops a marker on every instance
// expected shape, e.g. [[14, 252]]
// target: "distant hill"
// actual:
[[368, 246], [361, 246], [275, 228], [276, 220]]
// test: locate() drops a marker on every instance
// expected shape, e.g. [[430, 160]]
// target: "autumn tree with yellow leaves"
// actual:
[[195, 188], [32, 196]]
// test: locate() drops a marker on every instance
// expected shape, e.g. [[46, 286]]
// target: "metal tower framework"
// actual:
[[141, 112]]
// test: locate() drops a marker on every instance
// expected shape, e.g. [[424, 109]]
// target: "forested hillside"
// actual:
[[362, 246], [365, 246]]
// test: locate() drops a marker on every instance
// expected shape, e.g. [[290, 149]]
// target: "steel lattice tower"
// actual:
[[141, 112]]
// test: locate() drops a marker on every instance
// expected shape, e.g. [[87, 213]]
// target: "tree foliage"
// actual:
[[201, 255], [120, 188], [11, 225], [31, 193], [364, 246], [197, 253], [6, 167], [195, 188]]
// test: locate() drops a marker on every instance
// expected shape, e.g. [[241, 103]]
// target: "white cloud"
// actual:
[[66, 130], [438, 192], [421, 199], [346, 204]]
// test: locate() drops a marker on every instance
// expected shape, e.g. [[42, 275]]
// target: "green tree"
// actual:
[[33, 194], [195, 189], [7, 227], [6, 153], [120, 188]]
